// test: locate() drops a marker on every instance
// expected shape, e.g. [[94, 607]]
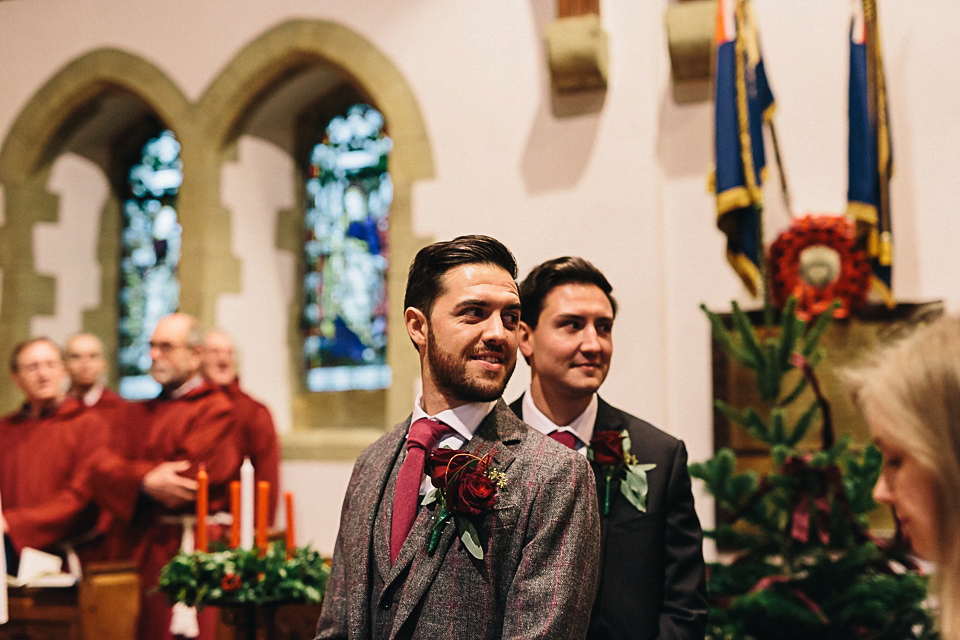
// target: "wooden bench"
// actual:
[[103, 606]]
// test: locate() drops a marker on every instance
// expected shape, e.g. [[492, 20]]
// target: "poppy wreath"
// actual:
[[849, 283]]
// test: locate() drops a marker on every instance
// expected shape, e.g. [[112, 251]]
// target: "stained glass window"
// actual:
[[345, 294], [149, 255]]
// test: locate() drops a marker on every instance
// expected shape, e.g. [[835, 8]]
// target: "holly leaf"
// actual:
[[471, 539], [634, 486]]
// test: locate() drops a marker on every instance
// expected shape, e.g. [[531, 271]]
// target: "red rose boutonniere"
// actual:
[[464, 485], [610, 451]]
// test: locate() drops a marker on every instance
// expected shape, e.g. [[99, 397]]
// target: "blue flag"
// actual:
[[743, 102], [869, 152]]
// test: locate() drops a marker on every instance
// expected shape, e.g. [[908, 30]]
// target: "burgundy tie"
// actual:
[[565, 437], [422, 438]]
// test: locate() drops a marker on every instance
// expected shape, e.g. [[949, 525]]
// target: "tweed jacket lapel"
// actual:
[[368, 498], [492, 436], [384, 519]]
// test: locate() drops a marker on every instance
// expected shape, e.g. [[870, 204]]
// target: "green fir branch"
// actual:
[[722, 336], [747, 334], [794, 393], [803, 424], [790, 328], [816, 331]]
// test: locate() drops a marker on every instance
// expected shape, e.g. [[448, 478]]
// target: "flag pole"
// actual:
[[784, 189]]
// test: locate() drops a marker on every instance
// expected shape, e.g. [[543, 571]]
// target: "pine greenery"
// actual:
[[803, 565]]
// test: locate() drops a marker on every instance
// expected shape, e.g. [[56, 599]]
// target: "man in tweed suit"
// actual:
[[652, 572], [539, 539]]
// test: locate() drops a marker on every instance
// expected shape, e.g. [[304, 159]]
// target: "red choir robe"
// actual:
[[198, 427], [43, 475], [109, 400], [258, 440], [112, 540]]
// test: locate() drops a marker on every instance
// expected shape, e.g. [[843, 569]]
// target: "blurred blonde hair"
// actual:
[[910, 391]]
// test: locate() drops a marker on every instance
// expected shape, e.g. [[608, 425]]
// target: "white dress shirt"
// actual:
[[581, 427]]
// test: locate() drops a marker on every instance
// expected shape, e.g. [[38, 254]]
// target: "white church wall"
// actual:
[[67, 249], [255, 189]]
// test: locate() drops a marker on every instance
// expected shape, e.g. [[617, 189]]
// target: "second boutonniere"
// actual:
[[464, 486], [611, 451]]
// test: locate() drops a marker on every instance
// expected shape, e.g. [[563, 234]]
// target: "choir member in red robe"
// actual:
[[87, 367], [149, 482], [45, 448], [254, 425]]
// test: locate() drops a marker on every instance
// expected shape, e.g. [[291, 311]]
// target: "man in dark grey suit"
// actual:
[[652, 570], [519, 556]]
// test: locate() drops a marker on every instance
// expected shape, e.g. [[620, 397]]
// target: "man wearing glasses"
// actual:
[[148, 483]]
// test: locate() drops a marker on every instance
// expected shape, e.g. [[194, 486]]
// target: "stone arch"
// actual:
[[222, 112], [38, 135], [206, 130]]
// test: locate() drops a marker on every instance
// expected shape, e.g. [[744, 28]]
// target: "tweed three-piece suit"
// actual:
[[537, 578]]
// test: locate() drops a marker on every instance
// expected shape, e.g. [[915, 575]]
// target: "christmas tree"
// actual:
[[802, 563]]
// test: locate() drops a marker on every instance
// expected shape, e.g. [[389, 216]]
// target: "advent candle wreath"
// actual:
[[235, 576], [242, 573]]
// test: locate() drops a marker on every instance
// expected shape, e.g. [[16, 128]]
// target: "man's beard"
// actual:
[[450, 375]]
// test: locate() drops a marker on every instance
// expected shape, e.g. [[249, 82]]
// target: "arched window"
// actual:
[[348, 198], [149, 254]]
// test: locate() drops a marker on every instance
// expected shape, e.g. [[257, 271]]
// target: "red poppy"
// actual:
[[816, 261]]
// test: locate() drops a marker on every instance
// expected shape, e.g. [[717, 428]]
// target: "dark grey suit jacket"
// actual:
[[652, 578], [541, 548]]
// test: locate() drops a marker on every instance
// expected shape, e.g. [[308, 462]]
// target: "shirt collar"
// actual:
[[464, 419], [582, 425], [92, 396], [187, 387]]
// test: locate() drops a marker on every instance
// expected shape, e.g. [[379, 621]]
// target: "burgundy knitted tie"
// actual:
[[565, 437], [422, 438]]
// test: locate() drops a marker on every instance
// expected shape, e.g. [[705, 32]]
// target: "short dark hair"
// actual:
[[545, 277], [424, 282], [20, 346]]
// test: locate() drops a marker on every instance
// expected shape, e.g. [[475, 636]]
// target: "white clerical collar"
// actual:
[[463, 419], [187, 387], [582, 425], [91, 397]]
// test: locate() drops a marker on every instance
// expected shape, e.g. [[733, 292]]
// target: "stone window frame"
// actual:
[[206, 130]]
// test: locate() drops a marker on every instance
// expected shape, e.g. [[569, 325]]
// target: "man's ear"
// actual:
[[416, 323], [526, 340]]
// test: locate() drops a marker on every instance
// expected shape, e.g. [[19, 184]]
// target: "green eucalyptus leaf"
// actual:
[[470, 538], [634, 486]]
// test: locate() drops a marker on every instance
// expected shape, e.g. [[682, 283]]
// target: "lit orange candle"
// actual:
[[235, 512], [263, 501], [202, 482], [291, 545]]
